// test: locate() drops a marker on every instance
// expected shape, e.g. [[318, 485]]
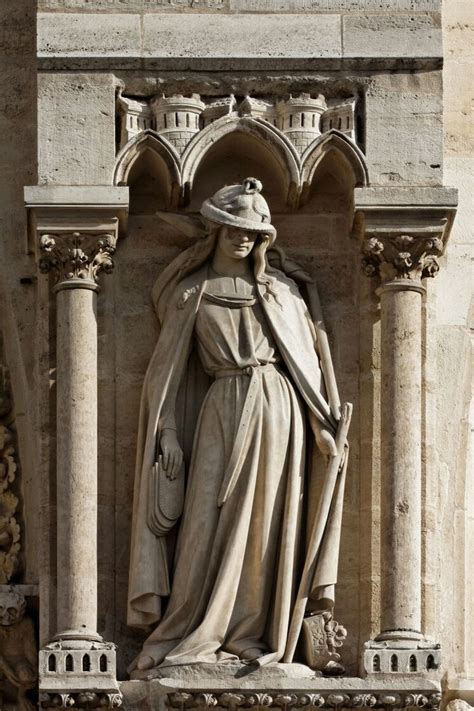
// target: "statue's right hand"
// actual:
[[172, 453]]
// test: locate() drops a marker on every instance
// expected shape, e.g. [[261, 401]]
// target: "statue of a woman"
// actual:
[[235, 388]]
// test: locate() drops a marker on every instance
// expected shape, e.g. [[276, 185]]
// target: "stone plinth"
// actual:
[[278, 686]]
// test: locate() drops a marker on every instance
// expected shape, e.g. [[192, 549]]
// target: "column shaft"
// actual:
[[77, 459], [401, 457]]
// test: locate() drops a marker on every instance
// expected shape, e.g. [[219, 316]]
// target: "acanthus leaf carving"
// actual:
[[76, 255], [301, 700], [10, 531], [401, 256]]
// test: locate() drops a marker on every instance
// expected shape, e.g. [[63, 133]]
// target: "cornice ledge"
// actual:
[[68, 209]]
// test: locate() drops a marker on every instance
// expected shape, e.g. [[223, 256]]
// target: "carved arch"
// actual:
[[345, 150], [266, 135], [161, 151]]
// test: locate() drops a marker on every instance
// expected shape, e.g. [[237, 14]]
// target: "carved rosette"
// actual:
[[80, 700], [76, 256], [301, 700], [401, 256]]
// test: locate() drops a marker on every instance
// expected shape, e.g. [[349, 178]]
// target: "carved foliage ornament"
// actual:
[[81, 700], [9, 500], [76, 255], [401, 256]]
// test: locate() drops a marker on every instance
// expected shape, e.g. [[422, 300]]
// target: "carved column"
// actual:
[[75, 241], [401, 244], [76, 261]]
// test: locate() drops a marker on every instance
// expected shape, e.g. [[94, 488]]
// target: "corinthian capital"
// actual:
[[73, 230], [401, 256], [74, 255]]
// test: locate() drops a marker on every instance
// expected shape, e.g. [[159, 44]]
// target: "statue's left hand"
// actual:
[[172, 453]]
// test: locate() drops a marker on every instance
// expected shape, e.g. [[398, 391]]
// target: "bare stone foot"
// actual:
[[333, 668], [251, 654], [145, 662]]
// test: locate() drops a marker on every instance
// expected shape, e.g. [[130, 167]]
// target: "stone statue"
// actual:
[[18, 654], [239, 387]]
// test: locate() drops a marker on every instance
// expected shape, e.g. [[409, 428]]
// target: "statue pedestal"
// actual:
[[234, 686]]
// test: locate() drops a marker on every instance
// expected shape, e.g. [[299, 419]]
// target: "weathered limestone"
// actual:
[[286, 686], [76, 232], [403, 237]]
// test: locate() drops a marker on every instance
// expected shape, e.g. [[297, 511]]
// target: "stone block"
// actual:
[[398, 35], [237, 36], [404, 129], [88, 35], [76, 117]]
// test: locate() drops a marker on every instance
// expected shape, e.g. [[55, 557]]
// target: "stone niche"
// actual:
[[174, 152]]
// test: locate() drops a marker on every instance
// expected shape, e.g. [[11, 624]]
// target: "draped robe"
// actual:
[[172, 376]]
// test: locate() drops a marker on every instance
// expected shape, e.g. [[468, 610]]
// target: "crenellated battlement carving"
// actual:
[[301, 118]]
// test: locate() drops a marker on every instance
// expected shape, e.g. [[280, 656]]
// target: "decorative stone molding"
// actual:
[[80, 700], [10, 529], [301, 700]]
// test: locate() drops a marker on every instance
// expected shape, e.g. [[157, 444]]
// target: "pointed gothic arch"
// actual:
[[150, 152], [333, 146], [268, 145]]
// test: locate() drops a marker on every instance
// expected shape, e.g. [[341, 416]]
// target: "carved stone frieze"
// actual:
[[401, 256], [301, 700], [301, 118], [75, 255], [81, 700], [10, 529]]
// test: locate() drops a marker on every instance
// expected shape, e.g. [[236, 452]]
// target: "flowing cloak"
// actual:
[[173, 373]]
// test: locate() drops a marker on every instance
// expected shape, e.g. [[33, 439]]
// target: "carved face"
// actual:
[[236, 243], [12, 607]]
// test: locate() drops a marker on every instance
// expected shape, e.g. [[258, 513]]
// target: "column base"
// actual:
[[79, 672], [401, 652]]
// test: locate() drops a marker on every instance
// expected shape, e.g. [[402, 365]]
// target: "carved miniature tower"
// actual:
[[299, 117], [177, 118]]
